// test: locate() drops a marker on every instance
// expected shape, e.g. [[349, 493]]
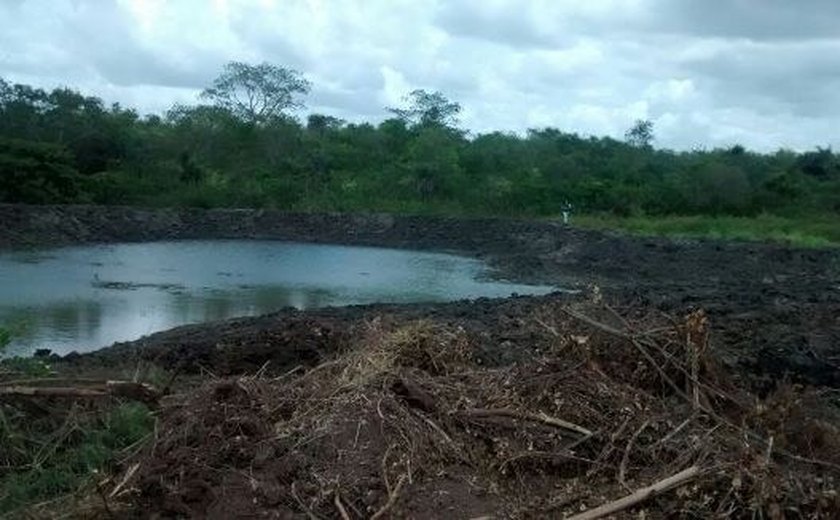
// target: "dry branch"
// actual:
[[58, 391], [392, 499], [541, 418], [128, 474], [135, 391], [640, 495], [338, 505]]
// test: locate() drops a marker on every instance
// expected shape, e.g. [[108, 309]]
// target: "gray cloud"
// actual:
[[800, 78], [764, 73], [762, 20]]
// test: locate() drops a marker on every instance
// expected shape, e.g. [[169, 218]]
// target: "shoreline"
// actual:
[[773, 308]]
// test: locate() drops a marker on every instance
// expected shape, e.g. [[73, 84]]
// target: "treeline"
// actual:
[[242, 148]]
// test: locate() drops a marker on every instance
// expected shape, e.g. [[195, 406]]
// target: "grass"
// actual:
[[817, 231], [42, 463], [49, 450]]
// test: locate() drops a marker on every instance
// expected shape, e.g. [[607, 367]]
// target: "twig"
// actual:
[[640, 495], [675, 431], [541, 417], [598, 325], [769, 453], [309, 513], [384, 467], [340, 506], [622, 469], [288, 373], [619, 317], [104, 501], [441, 432], [262, 370], [392, 499], [551, 455], [128, 474], [358, 431]]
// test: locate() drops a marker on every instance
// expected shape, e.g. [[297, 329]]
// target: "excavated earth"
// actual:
[[774, 310]]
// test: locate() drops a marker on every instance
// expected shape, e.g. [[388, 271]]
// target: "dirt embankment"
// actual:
[[543, 251], [773, 309]]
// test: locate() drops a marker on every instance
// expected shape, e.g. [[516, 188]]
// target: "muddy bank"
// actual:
[[774, 310], [762, 342], [525, 250]]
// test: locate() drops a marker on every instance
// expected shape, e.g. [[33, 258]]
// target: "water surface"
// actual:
[[86, 297]]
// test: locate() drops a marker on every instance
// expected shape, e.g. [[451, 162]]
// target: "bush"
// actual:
[[37, 173]]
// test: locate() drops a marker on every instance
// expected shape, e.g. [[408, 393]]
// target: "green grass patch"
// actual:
[[44, 458], [817, 231], [48, 449]]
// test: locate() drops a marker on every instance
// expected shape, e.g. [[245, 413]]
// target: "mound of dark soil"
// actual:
[[410, 421]]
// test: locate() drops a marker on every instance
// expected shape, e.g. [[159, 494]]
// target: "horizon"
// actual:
[[755, 74]]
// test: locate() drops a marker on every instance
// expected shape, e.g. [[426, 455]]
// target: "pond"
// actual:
[[87, 297]]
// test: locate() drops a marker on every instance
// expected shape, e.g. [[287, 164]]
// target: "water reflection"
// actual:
[[82, 298]]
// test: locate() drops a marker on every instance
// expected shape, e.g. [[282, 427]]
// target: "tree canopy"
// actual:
[[427, 109], [257, 93], [640, 134], [246, 148]]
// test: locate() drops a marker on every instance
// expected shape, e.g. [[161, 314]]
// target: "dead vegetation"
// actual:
[[614, 416]]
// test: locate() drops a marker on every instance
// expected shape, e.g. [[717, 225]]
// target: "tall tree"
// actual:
[[428, 108], [640, 134], [257, 93]]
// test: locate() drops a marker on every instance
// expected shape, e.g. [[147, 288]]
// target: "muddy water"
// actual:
[[83, 298]]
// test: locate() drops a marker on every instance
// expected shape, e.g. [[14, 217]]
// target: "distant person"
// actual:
[[566, 210]]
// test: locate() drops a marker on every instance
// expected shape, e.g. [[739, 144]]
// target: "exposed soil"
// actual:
[[774, 316], [411, 421]]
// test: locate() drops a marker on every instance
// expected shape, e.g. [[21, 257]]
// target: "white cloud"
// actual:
[[763, 73]]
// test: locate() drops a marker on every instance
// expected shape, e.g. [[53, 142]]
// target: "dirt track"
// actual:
[[774, 310]]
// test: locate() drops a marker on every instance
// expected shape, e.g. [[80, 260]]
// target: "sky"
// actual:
[[708, 73]]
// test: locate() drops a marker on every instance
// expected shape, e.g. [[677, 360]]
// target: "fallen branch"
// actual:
[[622, 470], [35, 391], [640, 495], [52, 381], [541, 418], [135, 391]]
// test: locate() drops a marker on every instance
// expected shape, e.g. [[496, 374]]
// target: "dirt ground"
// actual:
[[427, 418], [773, 339]]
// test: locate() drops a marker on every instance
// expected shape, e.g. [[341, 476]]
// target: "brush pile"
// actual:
[[608, 417]]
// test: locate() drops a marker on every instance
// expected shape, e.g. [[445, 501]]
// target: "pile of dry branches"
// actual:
[[613, 416]]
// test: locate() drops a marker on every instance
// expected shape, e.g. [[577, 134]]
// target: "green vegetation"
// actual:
[[48, 450], [17, 365], [245, 149], [804, 232], [44, 459]]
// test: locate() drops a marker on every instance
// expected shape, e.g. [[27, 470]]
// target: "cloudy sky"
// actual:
[[763, 73]]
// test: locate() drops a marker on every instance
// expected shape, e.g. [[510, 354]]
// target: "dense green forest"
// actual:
[[243, 147]]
